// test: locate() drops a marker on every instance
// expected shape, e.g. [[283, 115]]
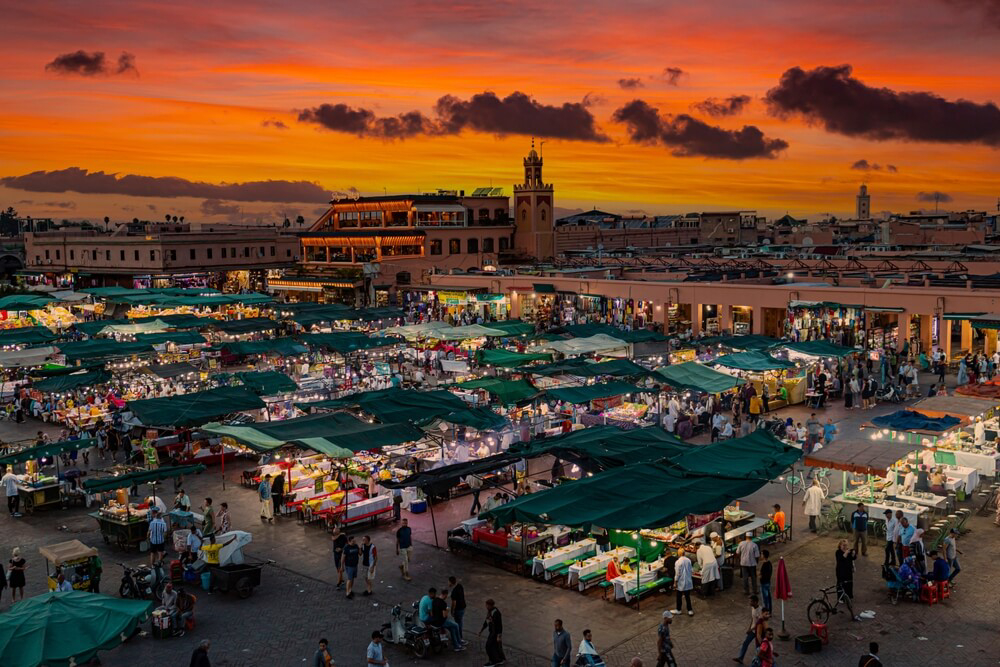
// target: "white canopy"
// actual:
[[32, 356], [443, 331], [596, 344]]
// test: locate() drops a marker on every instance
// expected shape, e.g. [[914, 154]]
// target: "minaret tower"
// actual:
[[864, 204], [533, 203]]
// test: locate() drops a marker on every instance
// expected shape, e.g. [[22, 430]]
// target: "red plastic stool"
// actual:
[[929, 594], [820, 630], [944, 590]]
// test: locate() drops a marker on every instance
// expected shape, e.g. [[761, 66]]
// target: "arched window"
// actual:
[[543, 215], [472, 246], [454, 246], [524, 214]]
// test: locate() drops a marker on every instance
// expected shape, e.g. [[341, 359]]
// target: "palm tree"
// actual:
[[168, 217], [182, 218], [107, 223], [301, 221], [175, 218]]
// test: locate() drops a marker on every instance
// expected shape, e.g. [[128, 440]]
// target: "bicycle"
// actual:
[[820, 609], [795, 484], [830, 517]]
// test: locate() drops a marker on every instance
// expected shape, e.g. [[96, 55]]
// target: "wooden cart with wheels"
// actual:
[[75, 560], [126, 534], [239, 578]]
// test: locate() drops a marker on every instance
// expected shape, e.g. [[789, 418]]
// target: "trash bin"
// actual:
[[727, 576], [206, 580]]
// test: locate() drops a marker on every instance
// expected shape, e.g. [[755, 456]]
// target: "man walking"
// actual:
[[9, 482], [812, 503], [748, 554], [157, 536], [891, 528], [264, 493], [562, 647], [751, 634], [859, 524], [814, 430], [352, 555], [664, 644], [278, 492], [494, 638], [476, 485], [369, 559], [951, 554], [683, 581], [404, 548], [871, 659]]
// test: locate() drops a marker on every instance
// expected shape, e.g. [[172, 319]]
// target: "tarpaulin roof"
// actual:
[[438, 480], [744, 342], [177, 337], [47, 450], [612, 367], [599, 343], [693, 376], [195, 408], [563, 367], [399, 405], [62, 383], [508, 359], [94, 327], [167, 371], [592, 392], [67, 628], [910, 420], [753, 361], [594, 328], [481, 418], [966, 406], [819, 348], [607, 445], [513, 327], [139, 477], [32, 356], [52, 370], [25, 301], [643, 495], [26, 336], [186, 321], [861, 455], [544, 288], [103, 348], [418, 331], [505, 391], [110, 291], [267, 383], [284, 347], [344, 342], [248, 325], [338, 434], [986, 390], [759, 455]]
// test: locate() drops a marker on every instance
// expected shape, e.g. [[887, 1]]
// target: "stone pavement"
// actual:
[[297, 601]]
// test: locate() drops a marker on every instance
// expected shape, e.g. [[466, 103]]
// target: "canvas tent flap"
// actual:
[[32, 356], [819, 348], [592, 392], [747, 342], [267, 383], [692, 376], [26, 336], [63, 383], [753, 361], [102, 348], [46, 450], [596, 344], [513, 327], [861, 455], [283, 347], [608, 446], [248, 325], [910, 420], [344, 342], [140, 477], [195, 408], [759, 455], [506, 392], [508, 359]]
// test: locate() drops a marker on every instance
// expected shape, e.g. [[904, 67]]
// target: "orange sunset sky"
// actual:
[[660, 107]]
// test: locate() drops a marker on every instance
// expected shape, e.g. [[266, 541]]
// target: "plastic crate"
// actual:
[[808, 644]]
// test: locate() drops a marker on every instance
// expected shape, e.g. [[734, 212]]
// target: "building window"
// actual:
[[223, 253], [58, 255], [348, 219], [272, 251], [122, 253], [397, 219], [484, 214], [232, 252], [136, 255], [173, 255], [152, 255], [454, 246], [504, 243], [436, 247], [400, 250], [488, 245], [194, 253], [208, 251], [46, 253], [262, 253], [542, 213], [107, 255], [472, 246], [246, 251], [288, 252], [524, 214], [72, 255]]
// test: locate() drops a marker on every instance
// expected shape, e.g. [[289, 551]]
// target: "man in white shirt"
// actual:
[[812, 503], [727, 430], [63, 585], [717, 420], [748, 553], [909, 481], [9, 482], [891, 530]]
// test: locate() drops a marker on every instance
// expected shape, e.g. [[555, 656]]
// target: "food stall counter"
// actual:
[[596, 563]]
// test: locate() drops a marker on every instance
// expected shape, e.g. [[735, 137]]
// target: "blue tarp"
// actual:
[[910, 420]]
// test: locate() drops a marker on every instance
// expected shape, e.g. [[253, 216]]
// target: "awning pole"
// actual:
[[430, 504]]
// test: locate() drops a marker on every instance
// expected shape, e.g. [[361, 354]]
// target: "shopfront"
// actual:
[[742, 319], [843, 324], [632, 312], [883, 329]]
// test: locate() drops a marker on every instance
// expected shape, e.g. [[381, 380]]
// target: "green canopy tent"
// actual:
[[67, 628], [608, 446], [267, 383], [105, 292], [592, 392], [692, 376], [819, 348], [612, 367], [397, 405], [25, 301], [748, 342], [95, 327], [345, 342], [52, 370], [195, 408], [508, 359], [753, 361], [102, 348], [26, 336], [563, 367], [64, 383], [282, 347], [759, 455], [595, 328], [46, 450], [176, 337], [481, 418], [249, 325], [186, 321], [506, 392], [130, 479], [631, 497], [337, 435], [513, 327]]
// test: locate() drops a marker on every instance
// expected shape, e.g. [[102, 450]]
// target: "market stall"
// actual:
[[760, 369], [38, 489], [77, 562]]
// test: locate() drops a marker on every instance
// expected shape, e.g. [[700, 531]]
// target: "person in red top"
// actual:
[[613, 571], [766, 650]]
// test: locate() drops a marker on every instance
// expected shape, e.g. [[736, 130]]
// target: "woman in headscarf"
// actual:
[[963, 372]]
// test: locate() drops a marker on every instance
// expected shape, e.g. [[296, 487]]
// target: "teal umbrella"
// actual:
[[69, 628]]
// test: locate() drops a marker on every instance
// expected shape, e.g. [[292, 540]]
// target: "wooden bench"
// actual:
[[649, 587], [593, 579]]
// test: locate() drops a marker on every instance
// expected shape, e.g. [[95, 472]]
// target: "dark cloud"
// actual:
[[729, 106], [672, 75], [690, 137], [891, 168], [219, 207], [151, 207], [65, 205], [833, 98], [92, 63], [989, 8], [75, 179], [865, 165], [275, 123], [934, 197], [630, 84], [485, 112]]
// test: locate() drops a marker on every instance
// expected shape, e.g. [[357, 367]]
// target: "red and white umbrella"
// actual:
[[783, 592]]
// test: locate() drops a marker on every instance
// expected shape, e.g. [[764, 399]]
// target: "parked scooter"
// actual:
[[890, 394], [143, 582], [421, 640]]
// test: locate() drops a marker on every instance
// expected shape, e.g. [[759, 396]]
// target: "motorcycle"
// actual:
[[142, 582], [420, 639], [890, 394]]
